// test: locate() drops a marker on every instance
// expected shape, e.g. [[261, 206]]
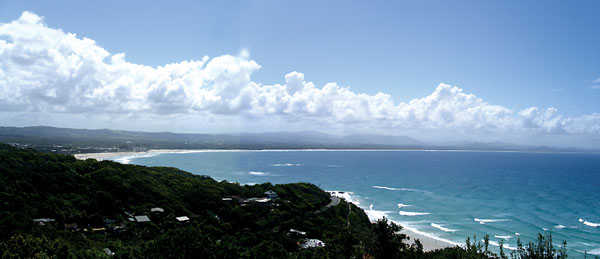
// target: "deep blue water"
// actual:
[[451, 195]]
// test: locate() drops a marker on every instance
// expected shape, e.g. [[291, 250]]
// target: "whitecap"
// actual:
[[494, 243], [123, 160], [374, 215], [483, 221], [127, 159], [408, 227], [386, 188], [287, 165], [442, 228], [594, 251], [517, 234], [410, 213], [591, 224], [559, 226], [503, 237], [400, 205], [345, 195], [399, 189]]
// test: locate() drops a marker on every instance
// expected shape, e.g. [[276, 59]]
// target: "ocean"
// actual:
[[447, 195]]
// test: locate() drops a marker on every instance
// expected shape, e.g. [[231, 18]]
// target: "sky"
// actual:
[[511, 71]]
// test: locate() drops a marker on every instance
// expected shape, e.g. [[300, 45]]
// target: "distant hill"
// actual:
[[66, 140]]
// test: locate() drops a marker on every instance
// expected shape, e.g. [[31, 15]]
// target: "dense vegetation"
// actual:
[[101, 197]]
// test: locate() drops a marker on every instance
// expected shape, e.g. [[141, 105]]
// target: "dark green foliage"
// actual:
[[97, 194], [542, 249]]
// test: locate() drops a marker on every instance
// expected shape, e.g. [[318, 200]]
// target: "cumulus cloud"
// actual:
[[43, 69]]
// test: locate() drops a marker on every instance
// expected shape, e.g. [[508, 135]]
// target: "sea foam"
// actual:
[[376, 214], [591, 224], [399, 189], [494, 243], [400, 205], [408, 227], [594, 251], [484, 221], [442, 228], [287, 165], [559, 227], [410, 213], [127, 159], [345, 195]]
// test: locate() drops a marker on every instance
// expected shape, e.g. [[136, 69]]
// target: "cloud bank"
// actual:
[[45, 70]]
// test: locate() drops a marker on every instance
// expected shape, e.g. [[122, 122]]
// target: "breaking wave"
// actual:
[[400, 205], [287, 165], [484, 221], [399, 189], [442, 228], [410, 213], [345, 195], [591, 224]]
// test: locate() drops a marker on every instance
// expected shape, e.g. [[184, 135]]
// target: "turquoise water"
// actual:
[[447, 195]]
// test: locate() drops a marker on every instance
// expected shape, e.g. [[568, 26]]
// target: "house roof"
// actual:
[[182, 218], [310, 243], [142, 218], [297, 231], [157, 209], [46, 220]]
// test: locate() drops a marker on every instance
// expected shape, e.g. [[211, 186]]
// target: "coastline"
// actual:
[[105, 155], [429, 243]]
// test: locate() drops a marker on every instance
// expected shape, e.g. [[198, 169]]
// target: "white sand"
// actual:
[[102, 156], [429, 244]]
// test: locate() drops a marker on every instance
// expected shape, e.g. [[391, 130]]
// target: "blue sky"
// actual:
[[513, 54]]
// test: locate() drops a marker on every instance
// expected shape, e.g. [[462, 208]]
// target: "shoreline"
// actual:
[[104, 155], [429, 243]]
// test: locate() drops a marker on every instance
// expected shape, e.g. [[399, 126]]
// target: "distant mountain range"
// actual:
[[66, 140]]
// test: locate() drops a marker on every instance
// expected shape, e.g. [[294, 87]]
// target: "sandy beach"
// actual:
[[106, 155], [103, 156], [428, 243]]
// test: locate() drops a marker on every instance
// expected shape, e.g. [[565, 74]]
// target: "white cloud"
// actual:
[[595, 87], [47, 71]]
